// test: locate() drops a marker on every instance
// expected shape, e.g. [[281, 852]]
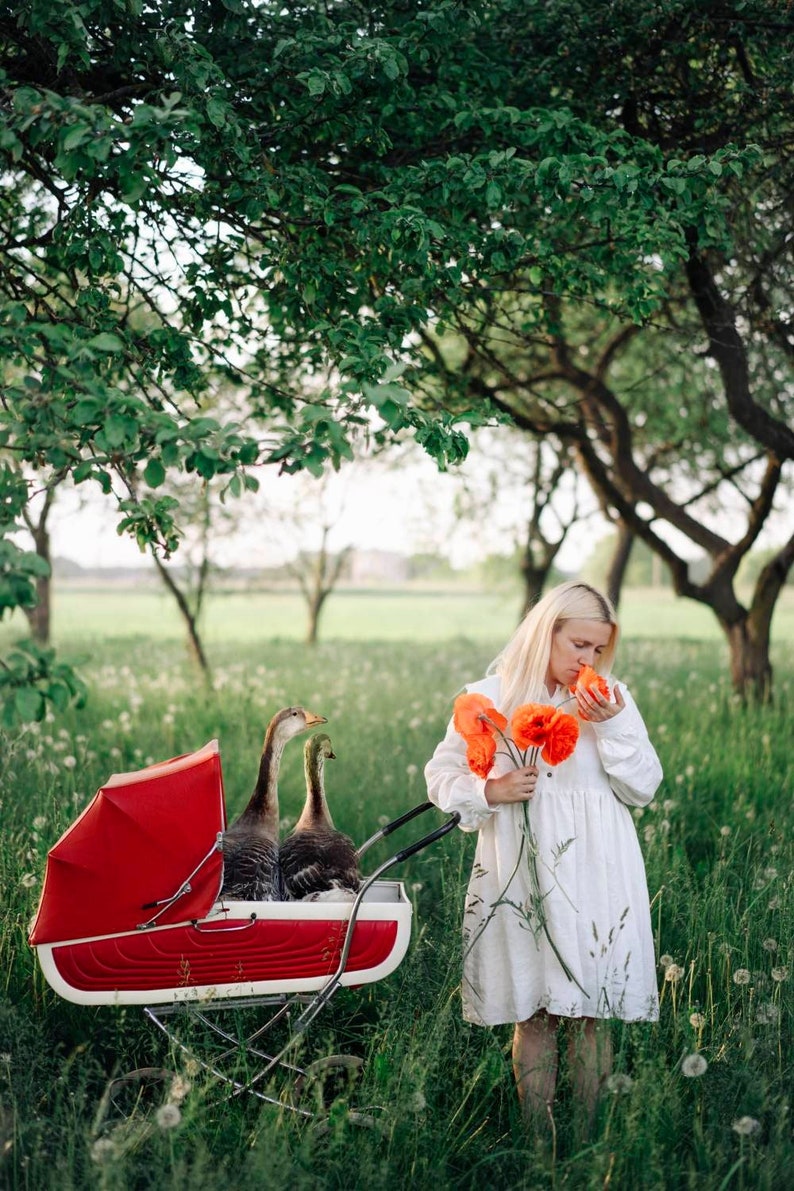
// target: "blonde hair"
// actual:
[[523, 663]]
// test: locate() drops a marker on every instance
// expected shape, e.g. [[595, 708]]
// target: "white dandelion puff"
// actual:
[[697, 1020], [665, 960], [746, 1126], [741, 976], [28, 880], [103, 1150], [770, 945], [779, 974], [179, 1089], [673, 973], [693, 1066], [619, 1084], [168, 1116], [767, 1014]]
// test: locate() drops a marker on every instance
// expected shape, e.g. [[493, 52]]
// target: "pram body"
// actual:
[[131, 914]]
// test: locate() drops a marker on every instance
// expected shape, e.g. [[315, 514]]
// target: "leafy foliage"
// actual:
[[277, 201]]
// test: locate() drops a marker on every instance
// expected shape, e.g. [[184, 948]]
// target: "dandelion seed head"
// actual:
[[767, 1014], [746, 1126], [741, 976], [665, 960], [28, 880], [179, 1089], [697, 1020], [69, 762], [770, 944], [693, 1066], [725, 830], [168, 1116], [103, 1150], [417, 1102], [619, 1084], [673, 973], [39, 822], [779, 974]]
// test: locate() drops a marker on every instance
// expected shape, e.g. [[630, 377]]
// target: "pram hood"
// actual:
[[142, 838]]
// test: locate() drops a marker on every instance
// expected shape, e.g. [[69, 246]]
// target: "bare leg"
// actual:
[[535, 1067], [589, 1062]]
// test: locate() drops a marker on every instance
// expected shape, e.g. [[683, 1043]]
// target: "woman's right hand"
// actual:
[[516, 786]]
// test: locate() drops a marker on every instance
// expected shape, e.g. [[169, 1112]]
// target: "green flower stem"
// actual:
[[532, 849], [528, 757]]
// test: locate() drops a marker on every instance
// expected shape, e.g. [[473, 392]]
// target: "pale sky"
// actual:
[[407, 507]]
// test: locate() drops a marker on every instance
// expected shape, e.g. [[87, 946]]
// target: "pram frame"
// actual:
[[161, 1015]]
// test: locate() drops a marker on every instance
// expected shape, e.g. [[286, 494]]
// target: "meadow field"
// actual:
[[84, 612], [434, 1105]]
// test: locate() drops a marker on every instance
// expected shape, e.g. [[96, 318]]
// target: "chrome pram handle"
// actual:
[[453, 821]]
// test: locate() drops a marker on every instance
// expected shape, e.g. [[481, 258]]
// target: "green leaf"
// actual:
[[217, 111], [154, 473], [106, 341], [29, 704]]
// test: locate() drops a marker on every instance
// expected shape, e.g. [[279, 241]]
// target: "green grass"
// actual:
[[408, 614], [720, 862]]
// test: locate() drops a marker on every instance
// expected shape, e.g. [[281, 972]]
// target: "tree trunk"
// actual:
[[751, 669], [189, 617], [315, 607], [39, 616], [749, 636], [534, 581], [619, 562]]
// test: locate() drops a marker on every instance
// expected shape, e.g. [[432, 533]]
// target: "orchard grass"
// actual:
[[436, 1095]]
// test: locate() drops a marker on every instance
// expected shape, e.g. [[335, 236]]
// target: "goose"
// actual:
[[318, 863], [250, 845]]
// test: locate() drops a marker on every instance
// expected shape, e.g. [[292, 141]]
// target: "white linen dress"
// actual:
[[591, 877]]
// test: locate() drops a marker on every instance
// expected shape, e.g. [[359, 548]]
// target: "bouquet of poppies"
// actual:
[[536, 729]]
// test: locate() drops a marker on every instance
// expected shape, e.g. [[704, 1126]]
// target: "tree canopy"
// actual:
[[279, 200]]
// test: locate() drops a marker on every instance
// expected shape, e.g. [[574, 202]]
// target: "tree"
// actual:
[[301, 515], [293, 194], [36, 519], [673, 398], [205, 518], [527, 490]]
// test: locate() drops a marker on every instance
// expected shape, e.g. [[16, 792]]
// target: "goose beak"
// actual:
[[312, 719]]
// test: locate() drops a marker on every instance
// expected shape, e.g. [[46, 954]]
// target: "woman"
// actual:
[[592, 959]]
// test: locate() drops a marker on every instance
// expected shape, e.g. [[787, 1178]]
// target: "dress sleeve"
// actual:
[[453, 787], [627, 755]]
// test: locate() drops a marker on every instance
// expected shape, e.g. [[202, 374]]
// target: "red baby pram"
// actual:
[[130, 913]]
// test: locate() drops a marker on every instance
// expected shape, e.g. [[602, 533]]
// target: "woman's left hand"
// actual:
[[595, 708]]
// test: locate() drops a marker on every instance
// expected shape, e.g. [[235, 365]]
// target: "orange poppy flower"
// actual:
[[561, 739], [531, 723], [588, 678], [480, 753], [467, 712]]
